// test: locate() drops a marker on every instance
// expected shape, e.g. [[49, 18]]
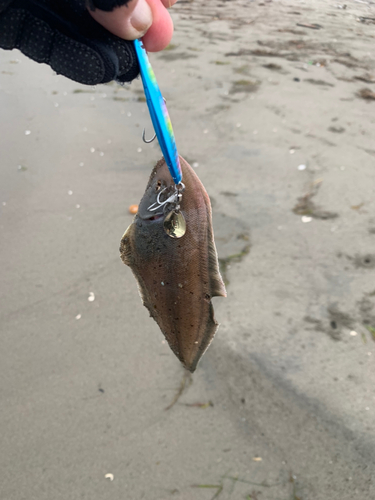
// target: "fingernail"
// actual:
[[141, 18]]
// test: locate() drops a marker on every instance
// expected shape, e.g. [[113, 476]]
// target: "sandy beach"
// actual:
[[273, 104]]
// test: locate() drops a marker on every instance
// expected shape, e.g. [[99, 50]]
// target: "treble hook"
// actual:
[[172, 199], [144, 131]]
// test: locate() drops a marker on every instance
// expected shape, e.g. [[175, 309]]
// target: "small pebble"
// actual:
[[139, 150], [353, 333], [78, 206], [109, 476], [205, 131], [301, 167], [133, 209], [101, 153], [91, 297], [195, 164], [81, 164], [238, 125], [292, 151], [92, 150], [70, 192], [79, 316], [56, 104], [27, 132], [129, 114]]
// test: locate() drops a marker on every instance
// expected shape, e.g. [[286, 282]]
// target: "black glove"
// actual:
[[62, 33]]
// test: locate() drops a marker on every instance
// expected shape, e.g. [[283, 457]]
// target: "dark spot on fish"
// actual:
[[207, 297], [334, 325], [158, 186]]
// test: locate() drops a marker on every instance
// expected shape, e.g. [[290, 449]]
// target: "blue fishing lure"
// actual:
[[159, 114]]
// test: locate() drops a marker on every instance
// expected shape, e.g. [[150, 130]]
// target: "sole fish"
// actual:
[[177, 277]]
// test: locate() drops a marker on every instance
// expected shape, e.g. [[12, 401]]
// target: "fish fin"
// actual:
[[208, 336], [126, 247], [217, 287]]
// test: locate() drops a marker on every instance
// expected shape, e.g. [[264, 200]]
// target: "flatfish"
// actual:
[[171, 251]]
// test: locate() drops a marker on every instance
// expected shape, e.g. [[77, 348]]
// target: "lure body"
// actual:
[[158, 113], [176, 277]]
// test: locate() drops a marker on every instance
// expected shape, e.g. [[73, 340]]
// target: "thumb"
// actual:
[[129, 21]]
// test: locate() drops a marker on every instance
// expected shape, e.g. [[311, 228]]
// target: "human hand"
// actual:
[[148, 19], [64, 35]]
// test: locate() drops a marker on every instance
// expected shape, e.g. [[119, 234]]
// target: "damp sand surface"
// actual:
[[272, 103]]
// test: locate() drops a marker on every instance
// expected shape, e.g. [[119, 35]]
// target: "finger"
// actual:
[[129, 21], [160, 33]]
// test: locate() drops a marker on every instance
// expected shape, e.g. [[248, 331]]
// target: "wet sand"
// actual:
[[282, 406]]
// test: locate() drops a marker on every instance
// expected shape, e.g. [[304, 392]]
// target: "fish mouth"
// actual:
[[154, 217]]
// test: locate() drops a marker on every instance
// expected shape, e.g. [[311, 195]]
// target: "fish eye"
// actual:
[[158, 186]]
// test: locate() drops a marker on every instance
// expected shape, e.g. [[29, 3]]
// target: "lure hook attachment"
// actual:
[[173, 199]]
